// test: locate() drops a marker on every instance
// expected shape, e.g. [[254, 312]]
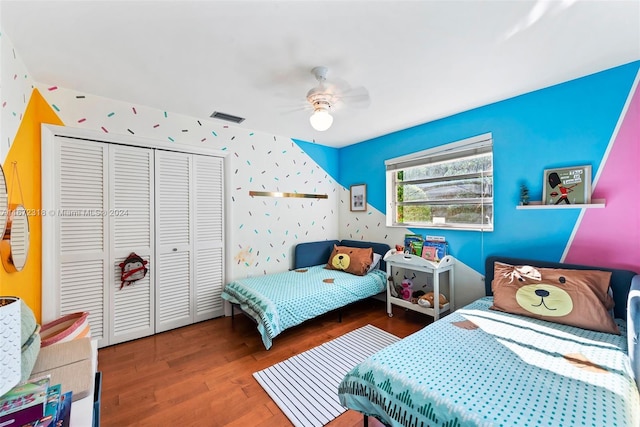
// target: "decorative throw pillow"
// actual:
[[572, 297], [375, 263], [352, 260]]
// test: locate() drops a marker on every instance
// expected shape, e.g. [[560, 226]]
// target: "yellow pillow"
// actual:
[[352, 260]]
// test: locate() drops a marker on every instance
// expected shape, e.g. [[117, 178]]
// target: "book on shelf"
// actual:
[[430, 253], [413, 244], [440, 249]]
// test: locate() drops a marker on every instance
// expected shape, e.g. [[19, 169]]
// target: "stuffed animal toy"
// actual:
[[416, 295], [426, 300], [407, 289], [132, 268]]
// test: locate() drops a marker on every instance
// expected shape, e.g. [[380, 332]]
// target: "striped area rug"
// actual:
[[305, 386]]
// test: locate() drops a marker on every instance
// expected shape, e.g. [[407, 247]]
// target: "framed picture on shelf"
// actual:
[[358, 197], [571, 186]]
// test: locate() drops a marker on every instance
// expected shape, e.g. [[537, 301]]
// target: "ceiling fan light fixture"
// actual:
[[321, 120]]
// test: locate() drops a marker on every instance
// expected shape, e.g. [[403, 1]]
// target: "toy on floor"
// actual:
[[427, 300]]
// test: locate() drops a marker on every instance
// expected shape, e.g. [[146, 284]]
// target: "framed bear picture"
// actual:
[[571, 186]]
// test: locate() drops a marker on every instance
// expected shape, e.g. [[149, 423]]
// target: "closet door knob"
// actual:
[[175, 249]]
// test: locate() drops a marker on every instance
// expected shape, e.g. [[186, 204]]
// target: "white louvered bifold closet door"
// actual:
[[104, 200], [208, 236], [131, 220], [103, 212], [174, 240], [80, 230]]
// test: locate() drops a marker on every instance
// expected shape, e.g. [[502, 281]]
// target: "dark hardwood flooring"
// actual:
[[201, 375]]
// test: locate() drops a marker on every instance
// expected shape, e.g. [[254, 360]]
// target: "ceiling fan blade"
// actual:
[[336, 85], [357, 97], [329, 92], [294, 108]]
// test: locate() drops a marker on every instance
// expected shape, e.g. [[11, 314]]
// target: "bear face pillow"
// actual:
[[352, 260], [572, 297]]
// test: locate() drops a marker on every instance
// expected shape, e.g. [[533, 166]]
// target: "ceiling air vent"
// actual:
[[227, 117]]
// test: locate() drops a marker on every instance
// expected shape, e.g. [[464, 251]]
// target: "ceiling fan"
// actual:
[[325, 97]]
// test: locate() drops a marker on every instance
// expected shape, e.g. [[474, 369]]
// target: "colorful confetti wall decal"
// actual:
[[259, 161]]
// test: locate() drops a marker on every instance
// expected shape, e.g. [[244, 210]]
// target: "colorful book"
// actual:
[[416, 248], [440, 249], [63, 417], [413, 244], [430, 253], [25, 403], [50, 408]]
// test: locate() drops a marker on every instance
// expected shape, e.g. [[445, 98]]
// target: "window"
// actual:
[[450, 186]]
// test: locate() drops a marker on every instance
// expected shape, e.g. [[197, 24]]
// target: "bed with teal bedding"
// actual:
[[282, 300], [482, 367]]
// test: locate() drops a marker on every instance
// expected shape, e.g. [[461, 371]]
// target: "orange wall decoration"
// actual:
[[25, 154]]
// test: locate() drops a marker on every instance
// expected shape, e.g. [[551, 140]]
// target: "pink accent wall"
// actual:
[[619, 221]]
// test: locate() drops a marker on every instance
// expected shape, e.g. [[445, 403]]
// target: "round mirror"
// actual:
[[14, 246], [4, 202]]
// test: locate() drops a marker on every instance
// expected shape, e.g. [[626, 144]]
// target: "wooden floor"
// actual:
[[201, 375]]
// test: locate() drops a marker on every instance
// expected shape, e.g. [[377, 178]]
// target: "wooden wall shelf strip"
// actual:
[[279, 194], [595, 203]]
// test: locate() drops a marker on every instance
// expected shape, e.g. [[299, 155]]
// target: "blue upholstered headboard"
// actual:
[[316, 253]]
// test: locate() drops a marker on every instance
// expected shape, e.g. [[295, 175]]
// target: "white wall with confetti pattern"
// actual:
[[261, 231]]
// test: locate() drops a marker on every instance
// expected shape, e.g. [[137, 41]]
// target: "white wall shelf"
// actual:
[[595, 203]]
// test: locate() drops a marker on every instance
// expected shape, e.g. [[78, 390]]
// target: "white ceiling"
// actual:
[[419, 60]]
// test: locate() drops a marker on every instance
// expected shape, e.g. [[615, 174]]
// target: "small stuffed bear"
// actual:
[[426, 300]]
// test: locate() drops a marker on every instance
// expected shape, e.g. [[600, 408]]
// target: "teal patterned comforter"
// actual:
[[282, 300], [479, 367]]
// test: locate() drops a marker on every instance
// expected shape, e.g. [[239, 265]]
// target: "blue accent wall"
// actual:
[[564, 125], [325, 157]]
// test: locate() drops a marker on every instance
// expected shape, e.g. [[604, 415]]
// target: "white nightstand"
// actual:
[[416, 263]]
